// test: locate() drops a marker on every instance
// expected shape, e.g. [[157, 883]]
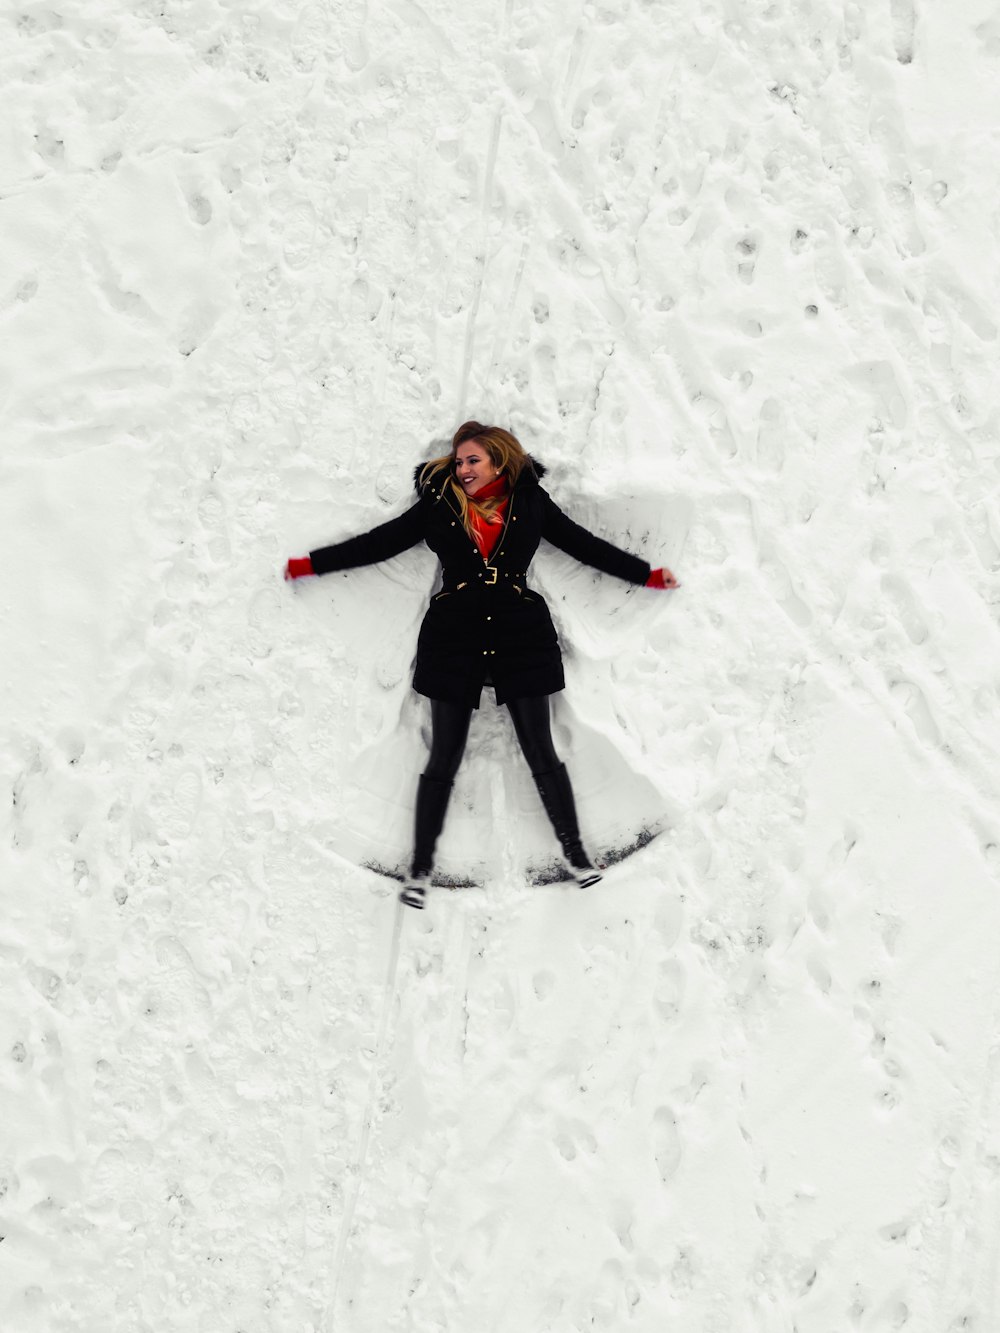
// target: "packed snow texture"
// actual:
[[730, 271]]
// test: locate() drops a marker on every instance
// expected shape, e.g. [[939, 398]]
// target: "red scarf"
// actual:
[[488, 534]]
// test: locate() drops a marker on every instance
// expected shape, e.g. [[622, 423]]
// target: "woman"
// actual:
[[482, 511]]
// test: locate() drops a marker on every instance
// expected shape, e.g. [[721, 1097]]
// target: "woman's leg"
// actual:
[[449, 731], [531, 722]]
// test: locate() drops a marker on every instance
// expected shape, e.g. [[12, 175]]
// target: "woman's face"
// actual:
[[473, 467]]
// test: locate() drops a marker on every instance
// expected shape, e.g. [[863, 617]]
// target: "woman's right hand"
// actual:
[[298, 567]]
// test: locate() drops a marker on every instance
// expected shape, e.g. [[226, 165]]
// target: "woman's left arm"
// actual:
[[561, 531]]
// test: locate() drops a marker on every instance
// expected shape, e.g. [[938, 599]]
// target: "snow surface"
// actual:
[[730, 270]]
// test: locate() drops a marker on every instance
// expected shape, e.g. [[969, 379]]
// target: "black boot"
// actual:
[[432, 805], [557, 796]]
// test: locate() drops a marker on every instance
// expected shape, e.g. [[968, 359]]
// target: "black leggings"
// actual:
[[450, 730]]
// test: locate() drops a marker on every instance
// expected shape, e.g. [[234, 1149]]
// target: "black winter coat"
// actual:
[[486, 626]]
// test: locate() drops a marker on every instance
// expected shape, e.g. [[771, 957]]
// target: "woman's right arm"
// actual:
[[381, 543]]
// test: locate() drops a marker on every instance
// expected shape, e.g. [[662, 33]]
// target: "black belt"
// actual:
[[490, 576]]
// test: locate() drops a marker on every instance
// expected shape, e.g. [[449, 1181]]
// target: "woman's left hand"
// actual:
[[661, 578]]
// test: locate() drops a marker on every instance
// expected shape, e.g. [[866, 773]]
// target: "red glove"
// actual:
[[661, 578], [297, 567]]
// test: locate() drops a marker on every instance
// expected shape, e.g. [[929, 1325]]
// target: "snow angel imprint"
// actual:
[[482, 511]]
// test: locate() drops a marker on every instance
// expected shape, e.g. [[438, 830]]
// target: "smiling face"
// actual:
[[474, 468]]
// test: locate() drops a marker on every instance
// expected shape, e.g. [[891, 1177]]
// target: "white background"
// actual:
[[729, 270]]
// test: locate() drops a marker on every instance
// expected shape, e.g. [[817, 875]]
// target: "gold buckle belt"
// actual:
[[491, 573]]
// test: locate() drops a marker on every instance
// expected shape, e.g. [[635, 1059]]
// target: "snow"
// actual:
[[730, 272]]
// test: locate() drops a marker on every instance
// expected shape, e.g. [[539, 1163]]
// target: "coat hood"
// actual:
[[530, 475]]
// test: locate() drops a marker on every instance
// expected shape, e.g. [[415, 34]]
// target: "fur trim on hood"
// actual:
[[530, 475]]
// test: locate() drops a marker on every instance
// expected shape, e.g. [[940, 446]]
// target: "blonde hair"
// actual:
[[505, 453]]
